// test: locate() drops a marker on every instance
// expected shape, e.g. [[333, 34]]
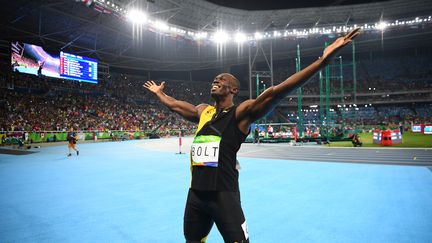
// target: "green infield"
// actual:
[[410, 140]]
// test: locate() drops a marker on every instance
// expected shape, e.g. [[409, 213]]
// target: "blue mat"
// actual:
[[121, 192]]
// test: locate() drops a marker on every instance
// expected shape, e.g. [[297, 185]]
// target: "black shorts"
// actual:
[[203, 208]]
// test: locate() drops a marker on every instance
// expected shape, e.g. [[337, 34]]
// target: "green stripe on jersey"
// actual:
[[206, 139]]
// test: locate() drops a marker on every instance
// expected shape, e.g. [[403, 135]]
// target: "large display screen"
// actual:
[[33, 59], [78, 68], [427, 129]]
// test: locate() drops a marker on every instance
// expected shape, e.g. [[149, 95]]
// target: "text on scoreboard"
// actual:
[[78, 68]]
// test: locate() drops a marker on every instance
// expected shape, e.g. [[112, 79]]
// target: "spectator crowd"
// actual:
[[120, 102]]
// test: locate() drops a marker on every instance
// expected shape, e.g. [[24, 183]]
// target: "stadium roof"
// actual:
[[71, 26], [277, 4], [203, 15]]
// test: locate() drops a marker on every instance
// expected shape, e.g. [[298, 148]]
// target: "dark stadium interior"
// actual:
[[396, 62], [404, 55], [345, 158]]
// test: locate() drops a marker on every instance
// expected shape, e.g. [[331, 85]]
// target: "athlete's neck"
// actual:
[[223, 102], [223, 105]]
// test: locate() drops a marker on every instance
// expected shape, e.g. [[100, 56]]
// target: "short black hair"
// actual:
[[236, 81]]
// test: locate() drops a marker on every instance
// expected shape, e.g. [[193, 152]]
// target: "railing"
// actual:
[[9, 138], [14, 137]]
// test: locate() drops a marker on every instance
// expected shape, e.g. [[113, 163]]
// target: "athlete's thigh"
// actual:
[[229, 218], [197, 223]]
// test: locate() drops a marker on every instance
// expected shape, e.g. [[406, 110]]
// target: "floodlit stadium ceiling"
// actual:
[[100, 29], [277, 4]]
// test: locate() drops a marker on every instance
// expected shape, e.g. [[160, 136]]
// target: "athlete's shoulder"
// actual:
[[243, 108], [202, 107]]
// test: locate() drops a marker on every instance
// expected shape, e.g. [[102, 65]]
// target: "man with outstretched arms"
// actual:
[[214, 195]]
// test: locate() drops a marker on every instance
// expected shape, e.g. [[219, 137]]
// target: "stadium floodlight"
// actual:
[[276, 34], [240, 37], [220, 37], [258, 36], [160, 25], [381, 25], [201, 35], [176, 30], [136, 16]]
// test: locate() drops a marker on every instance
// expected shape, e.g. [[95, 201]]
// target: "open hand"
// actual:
[[340, 42], [153, 87]]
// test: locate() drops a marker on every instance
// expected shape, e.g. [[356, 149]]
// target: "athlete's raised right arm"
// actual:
[[183, 108]]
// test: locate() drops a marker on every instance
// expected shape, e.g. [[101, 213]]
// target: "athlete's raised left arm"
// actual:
[[185, 109], [252, 110]]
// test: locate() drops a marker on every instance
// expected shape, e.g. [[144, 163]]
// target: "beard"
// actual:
[[215, 96]]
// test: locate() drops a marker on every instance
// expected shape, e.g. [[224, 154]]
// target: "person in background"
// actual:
[[256, 135], [356, 141], [72, 139]]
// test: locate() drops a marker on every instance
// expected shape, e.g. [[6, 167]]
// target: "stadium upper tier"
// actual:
[[203, 15]]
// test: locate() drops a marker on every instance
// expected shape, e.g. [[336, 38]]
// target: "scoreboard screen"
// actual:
[[79, 68], [33, 59]]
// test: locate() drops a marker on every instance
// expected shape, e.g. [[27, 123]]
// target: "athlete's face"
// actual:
[[221, 86]]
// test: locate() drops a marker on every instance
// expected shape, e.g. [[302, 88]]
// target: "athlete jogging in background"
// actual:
[[72, 138], [214, 195]]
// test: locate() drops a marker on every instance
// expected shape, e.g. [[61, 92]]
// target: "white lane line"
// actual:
[[352, 161]]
